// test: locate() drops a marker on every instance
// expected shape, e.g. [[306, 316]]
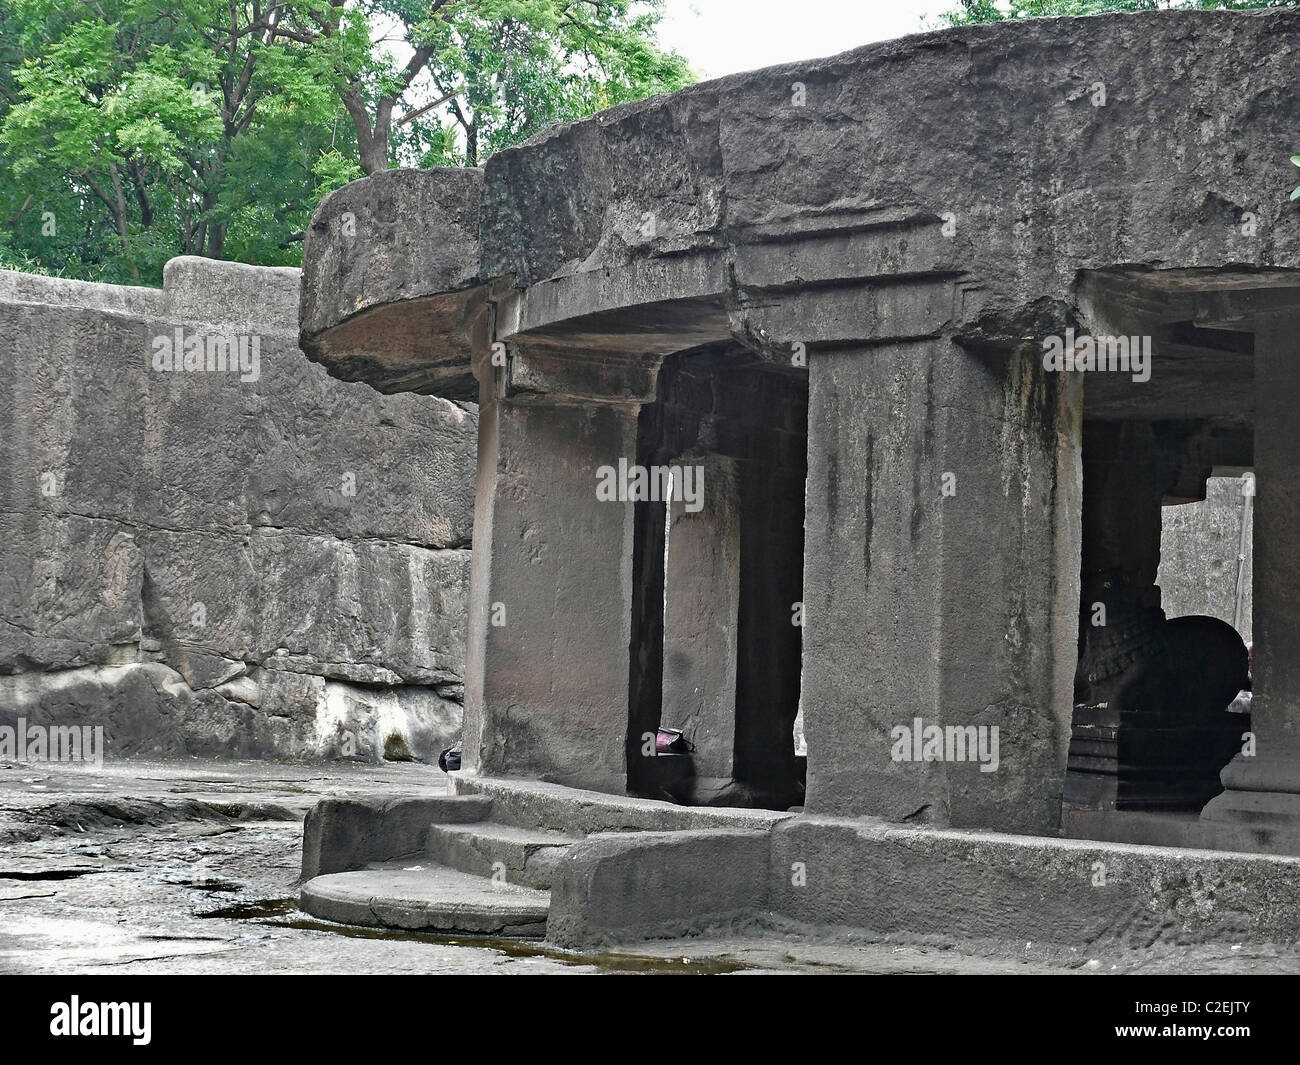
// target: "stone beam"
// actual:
[[548, 372]]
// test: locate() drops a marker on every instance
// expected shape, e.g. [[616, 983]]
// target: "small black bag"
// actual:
[[449, 760], [672, 741]]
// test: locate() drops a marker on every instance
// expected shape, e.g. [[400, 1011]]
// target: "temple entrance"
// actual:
[[718, 579], [1162, 651]]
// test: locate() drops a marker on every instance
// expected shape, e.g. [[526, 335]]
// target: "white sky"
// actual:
[[725, 36]]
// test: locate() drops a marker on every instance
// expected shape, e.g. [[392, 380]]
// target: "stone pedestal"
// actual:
[[1263, 788], [1147, 760], [941, 583]]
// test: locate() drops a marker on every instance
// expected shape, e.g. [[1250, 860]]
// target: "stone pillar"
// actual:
[[941, 582], [546, 688], [701, 597], [1263, 788]]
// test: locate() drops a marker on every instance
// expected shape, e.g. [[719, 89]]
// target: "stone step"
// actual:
[[534, 803], [459, 809], [422, 896], [343, 834], [524, 856]]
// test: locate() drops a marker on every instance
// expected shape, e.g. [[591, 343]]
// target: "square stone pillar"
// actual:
[[701, 600], [1263, 787], [546, 686], [941, 583]]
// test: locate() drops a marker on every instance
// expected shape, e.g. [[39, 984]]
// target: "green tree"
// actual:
[[177, 128], [479, 75], [135, 130], [975, 11]]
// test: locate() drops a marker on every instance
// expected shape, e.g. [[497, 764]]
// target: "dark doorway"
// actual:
[[718, 578]]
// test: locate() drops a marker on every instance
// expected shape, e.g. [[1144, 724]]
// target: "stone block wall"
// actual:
[[257, 561]]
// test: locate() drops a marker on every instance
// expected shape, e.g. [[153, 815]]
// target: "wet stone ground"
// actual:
[[191, 867]]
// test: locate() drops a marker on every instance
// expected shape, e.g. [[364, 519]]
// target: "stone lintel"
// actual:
[[1236, 309], [673, 295], [784, 326], [540, 372]]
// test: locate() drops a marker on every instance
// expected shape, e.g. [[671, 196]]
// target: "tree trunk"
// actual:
[[372, 141], [216, 240]]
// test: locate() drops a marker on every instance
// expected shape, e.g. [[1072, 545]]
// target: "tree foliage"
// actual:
[[498, 70], [969, 12], [135, 130]]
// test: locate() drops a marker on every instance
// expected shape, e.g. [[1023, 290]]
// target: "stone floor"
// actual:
[[191, 867]]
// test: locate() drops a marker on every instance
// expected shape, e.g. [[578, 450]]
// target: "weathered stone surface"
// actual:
[[16, 287], [930, 574], [215, 520], [246, 294], [1263, 785], [344, 834], [562, 569], [1037, 176], [364, 610], [908, 248], [814, 874], [702, 592], [1198, 556], [618, 888], [70, 592], [1159, 829], [532, 804], [383, 303], [356, 721], [375, 604], [895, 879], [426, 897], [524, 856], [147, 709]]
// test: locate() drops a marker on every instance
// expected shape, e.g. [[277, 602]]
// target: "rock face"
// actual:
[[386, 305], [249, 561]]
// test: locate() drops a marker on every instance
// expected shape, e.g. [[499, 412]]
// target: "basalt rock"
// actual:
[[254, 560]]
